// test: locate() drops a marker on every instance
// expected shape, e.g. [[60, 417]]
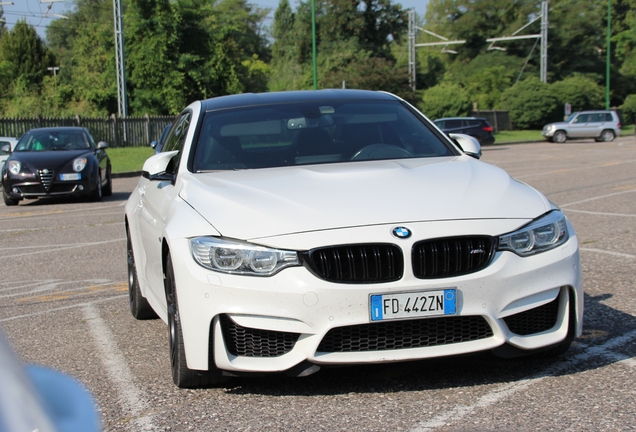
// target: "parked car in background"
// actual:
[[476, 127], [56, 162], [4, 154], [284, 232], [600, 125], [157, 145], [34, 398]]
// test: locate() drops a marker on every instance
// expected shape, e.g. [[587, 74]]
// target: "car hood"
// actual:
[[261, 203], [48, 159]]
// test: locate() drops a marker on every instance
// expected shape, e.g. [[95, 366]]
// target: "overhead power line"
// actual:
[[445, 42]]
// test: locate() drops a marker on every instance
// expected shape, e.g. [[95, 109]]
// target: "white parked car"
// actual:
[[281, 232]]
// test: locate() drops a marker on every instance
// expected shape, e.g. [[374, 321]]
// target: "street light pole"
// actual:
[[607, 60], [313, 41]]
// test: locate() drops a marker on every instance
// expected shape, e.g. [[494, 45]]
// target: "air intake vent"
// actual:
[[46, 177], [535, 320], [357, 264], [454, 256], [404, 334], [249, 342]]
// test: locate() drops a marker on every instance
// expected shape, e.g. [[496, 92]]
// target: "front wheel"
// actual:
[[8, 201], [108, 189], [559, 137], [96, 196], [607, 135], [139, 306], [182, 376]]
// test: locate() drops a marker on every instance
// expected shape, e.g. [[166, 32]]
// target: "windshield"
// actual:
[[313, 133], [52, 140]]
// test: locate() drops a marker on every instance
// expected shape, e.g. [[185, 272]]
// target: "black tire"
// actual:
[[181, 375], [607, 135], [139, 306], [108, 189], [8, 201], [559, 137], [96, 196]]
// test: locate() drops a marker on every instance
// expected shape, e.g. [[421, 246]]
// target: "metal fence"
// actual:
[[117, 132], [499, 120]]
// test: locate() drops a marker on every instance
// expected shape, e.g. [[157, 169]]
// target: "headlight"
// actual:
[[15, 167], [79, 164], [240, 258], [543, 234]]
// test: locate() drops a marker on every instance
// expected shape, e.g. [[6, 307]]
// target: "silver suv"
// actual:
[[600, 125]]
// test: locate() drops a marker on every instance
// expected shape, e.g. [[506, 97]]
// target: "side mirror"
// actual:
[[102, 145], [153, 144], [468, 144], [155, 166], [6, 149]]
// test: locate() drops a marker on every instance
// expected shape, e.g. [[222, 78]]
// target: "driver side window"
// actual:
[[176, 140]]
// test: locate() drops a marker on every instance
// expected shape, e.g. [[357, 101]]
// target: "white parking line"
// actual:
[[57, 249], [618, 254], [52, 285], [598, 198], [46, 311], [58, 227], [568, 170], [507, 390], [601, 213], [35, 213], [130, 398]]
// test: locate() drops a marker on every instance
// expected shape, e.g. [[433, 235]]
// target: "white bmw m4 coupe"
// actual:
[[283, 232]]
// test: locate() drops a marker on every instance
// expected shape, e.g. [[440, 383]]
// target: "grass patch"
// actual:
[[515, 136], [127, 159]]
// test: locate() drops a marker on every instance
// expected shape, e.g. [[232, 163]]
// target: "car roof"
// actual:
[[60, 129], [593, 111], [460, 118], [250, 99]]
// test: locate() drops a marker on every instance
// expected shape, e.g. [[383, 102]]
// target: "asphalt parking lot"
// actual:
[[63, 304]]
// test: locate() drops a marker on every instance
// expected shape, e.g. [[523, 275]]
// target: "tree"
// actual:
[[625, 37], [629, 109], [354, 43], [176, 52], [582, 92], [85, 47], [24, 56], [531, 104], [445, 100]]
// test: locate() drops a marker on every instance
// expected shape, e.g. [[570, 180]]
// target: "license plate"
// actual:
[[413, 304], [64, 177]]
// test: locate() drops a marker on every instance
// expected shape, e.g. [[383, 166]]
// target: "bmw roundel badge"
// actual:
[[401, 232]]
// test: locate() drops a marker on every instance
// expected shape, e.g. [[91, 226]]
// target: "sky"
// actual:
[[40, 13]]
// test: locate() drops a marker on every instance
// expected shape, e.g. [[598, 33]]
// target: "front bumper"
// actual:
[[32, 187], [295, 302], [548, 132]]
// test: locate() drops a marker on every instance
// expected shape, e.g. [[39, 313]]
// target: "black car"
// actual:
[[476, 127], [55, 162]]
